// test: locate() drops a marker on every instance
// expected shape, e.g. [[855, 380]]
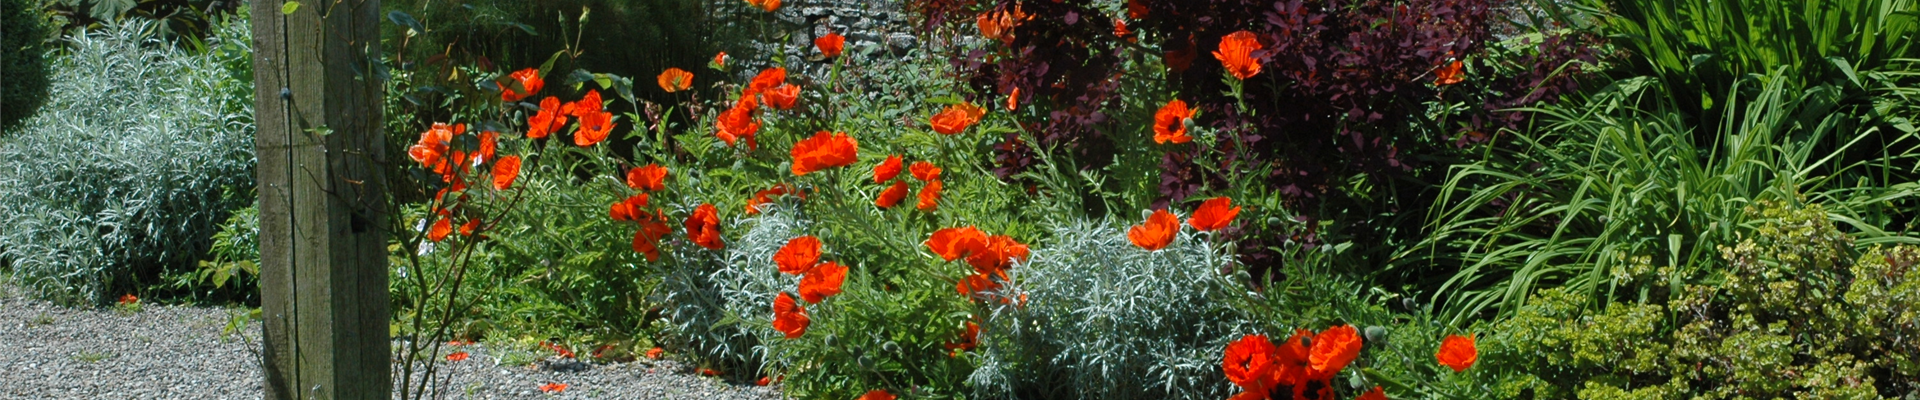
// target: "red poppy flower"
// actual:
[[529, 79], [767, 80], [822, 281], [489, 142], [433, 151], [925, 171], [1375, 394], [709, 372], [798, 255], [703, 227], [892, 196], [1236, 53], [1290, 360], [763, 381], [647, 240], [656, 353], [128, 298], [631, 209], [956, 118], [877, 394], [558, 349], [548, 120], [1457, 352], [976, 286], [551, 387], [952, 243], [783, 96], [1332, 350], [1170, 123], [929, 196], [589, 104], [651, 177], [719, 61], [675, 79], [831, 44], [824, 150], [998, 25], [505, 170], [1249, 363], [789, 317], [887, 169], [1449, 74], [1213, 214], [467, 229], [1157, 232], [1136, 9], [765, 196], [457, 356], [996, 254], [1120, 30], [441, 228], [768, 5], [738, 122], [1013, 100], [594, 127], [969, 340]]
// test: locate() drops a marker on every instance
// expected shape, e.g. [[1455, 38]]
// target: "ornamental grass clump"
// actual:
[[142, 150]]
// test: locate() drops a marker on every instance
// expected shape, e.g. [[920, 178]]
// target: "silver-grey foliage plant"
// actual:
[[1104, 319], [720, 306], [142, 149]]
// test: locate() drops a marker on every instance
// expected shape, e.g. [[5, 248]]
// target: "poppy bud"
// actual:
[[1376, 333]]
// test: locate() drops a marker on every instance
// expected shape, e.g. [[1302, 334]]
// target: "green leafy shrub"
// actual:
[[131, 167], [1797, 313], [23, 60]]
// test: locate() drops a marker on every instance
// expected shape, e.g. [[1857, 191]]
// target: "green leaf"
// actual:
[[289, 8]]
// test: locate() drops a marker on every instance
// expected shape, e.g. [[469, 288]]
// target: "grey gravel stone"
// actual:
[[181, 352]]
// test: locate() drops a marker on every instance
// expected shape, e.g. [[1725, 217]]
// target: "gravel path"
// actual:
[[179, 352]]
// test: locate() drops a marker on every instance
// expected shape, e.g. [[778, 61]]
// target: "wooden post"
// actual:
[[323, 272]]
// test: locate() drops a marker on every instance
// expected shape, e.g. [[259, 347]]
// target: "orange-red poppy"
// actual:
[[1236, 54], [651, 177], [956, 118], [457, 356], [831, 44], [1332, 350], [997, 255], [594, 127], [877, 394], [764, 380], [929, 196], [467, 229], [656, 353], [738, 123], [998, 25], [1157, 232], [887, 169], [1290, 360], [976, 286], [703, 227], [433, 150], [952, 243], [1457, 352], [768, 5], [764, 196], [529, 79], [505, 170], [798, 255], [489, 143], [633, 208], [551, 387], [1136, 9], [128, 298], [719, 61], [589, 104], [441, 228], [1170, 123], [767, 80], [1248, 363], [1120, 30], [789, 317], [892, 196], [709, 372], [969, 339], [782, 97], [824, 150], [675, 79], [548, 120], [1374, 394], [1449, 74], [822, 281], [925, 171], [1013, 100], [647, 240], [1213, 214]]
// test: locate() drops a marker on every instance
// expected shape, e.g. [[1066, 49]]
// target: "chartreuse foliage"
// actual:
[[1797, 313]]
